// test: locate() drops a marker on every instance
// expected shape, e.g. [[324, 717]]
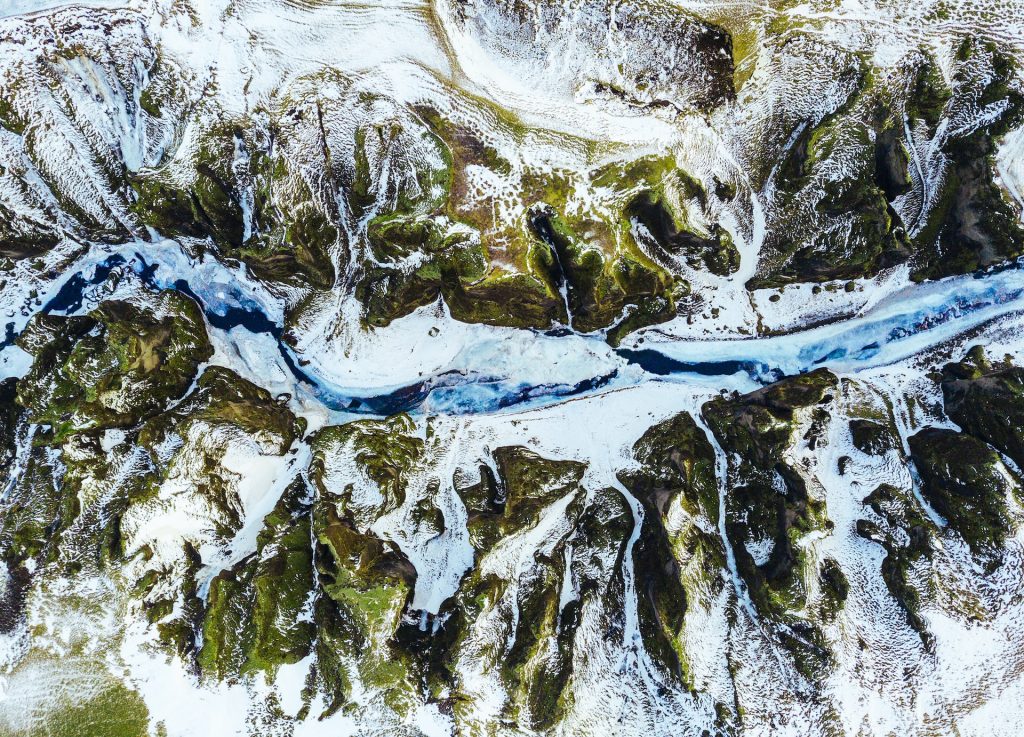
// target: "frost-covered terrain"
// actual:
[[511, 367]]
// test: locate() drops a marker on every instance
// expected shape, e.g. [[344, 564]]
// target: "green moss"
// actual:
[[840, 228], [536, 665], [903, 550], [179, 635], [768, 498], [930, 94], [113, 368], [673, 564], [604, 271], [507, 300], [714, 252], [453, 262], [300, 250], [109, 709], [166, 208], [10, 415], [598, 289], [255, 618], [36, 509], [972, 223], [149, 98], [966, 482], [360, 192]]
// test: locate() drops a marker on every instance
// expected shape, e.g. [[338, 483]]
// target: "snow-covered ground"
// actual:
[[472, 388]]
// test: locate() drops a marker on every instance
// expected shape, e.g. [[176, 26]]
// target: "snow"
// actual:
[[492, 387]]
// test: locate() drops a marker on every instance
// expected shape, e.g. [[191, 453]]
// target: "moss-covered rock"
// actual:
[[871, 437], [906, 536], [675, 459], [511, 271], [365, 633], [114, 367], [600, 287], [36, 509], [426, 263], [966, 482], [259, 613], [769, 506], [223, 397], [187, 447], [539, 664], [972, 223], [367, 584], [834, 186], [841, 177], [676, 469], [988, 403], [835, 587]]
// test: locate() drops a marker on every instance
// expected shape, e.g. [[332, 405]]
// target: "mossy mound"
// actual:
[[871, 437], [836, 588], [366, 583], [511, 271], [972, 223], [768, 503], [966, 482], [676, 469], [113, 367], [988, 403], [906, 536], [259, 613], [848, 200], [386, 451], [714, 252], [675, 459], [191, 440], [832, 188], [10, 414], [600, 288], [36, 510]]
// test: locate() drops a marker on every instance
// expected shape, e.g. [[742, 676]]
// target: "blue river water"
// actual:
[[902, 325]]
